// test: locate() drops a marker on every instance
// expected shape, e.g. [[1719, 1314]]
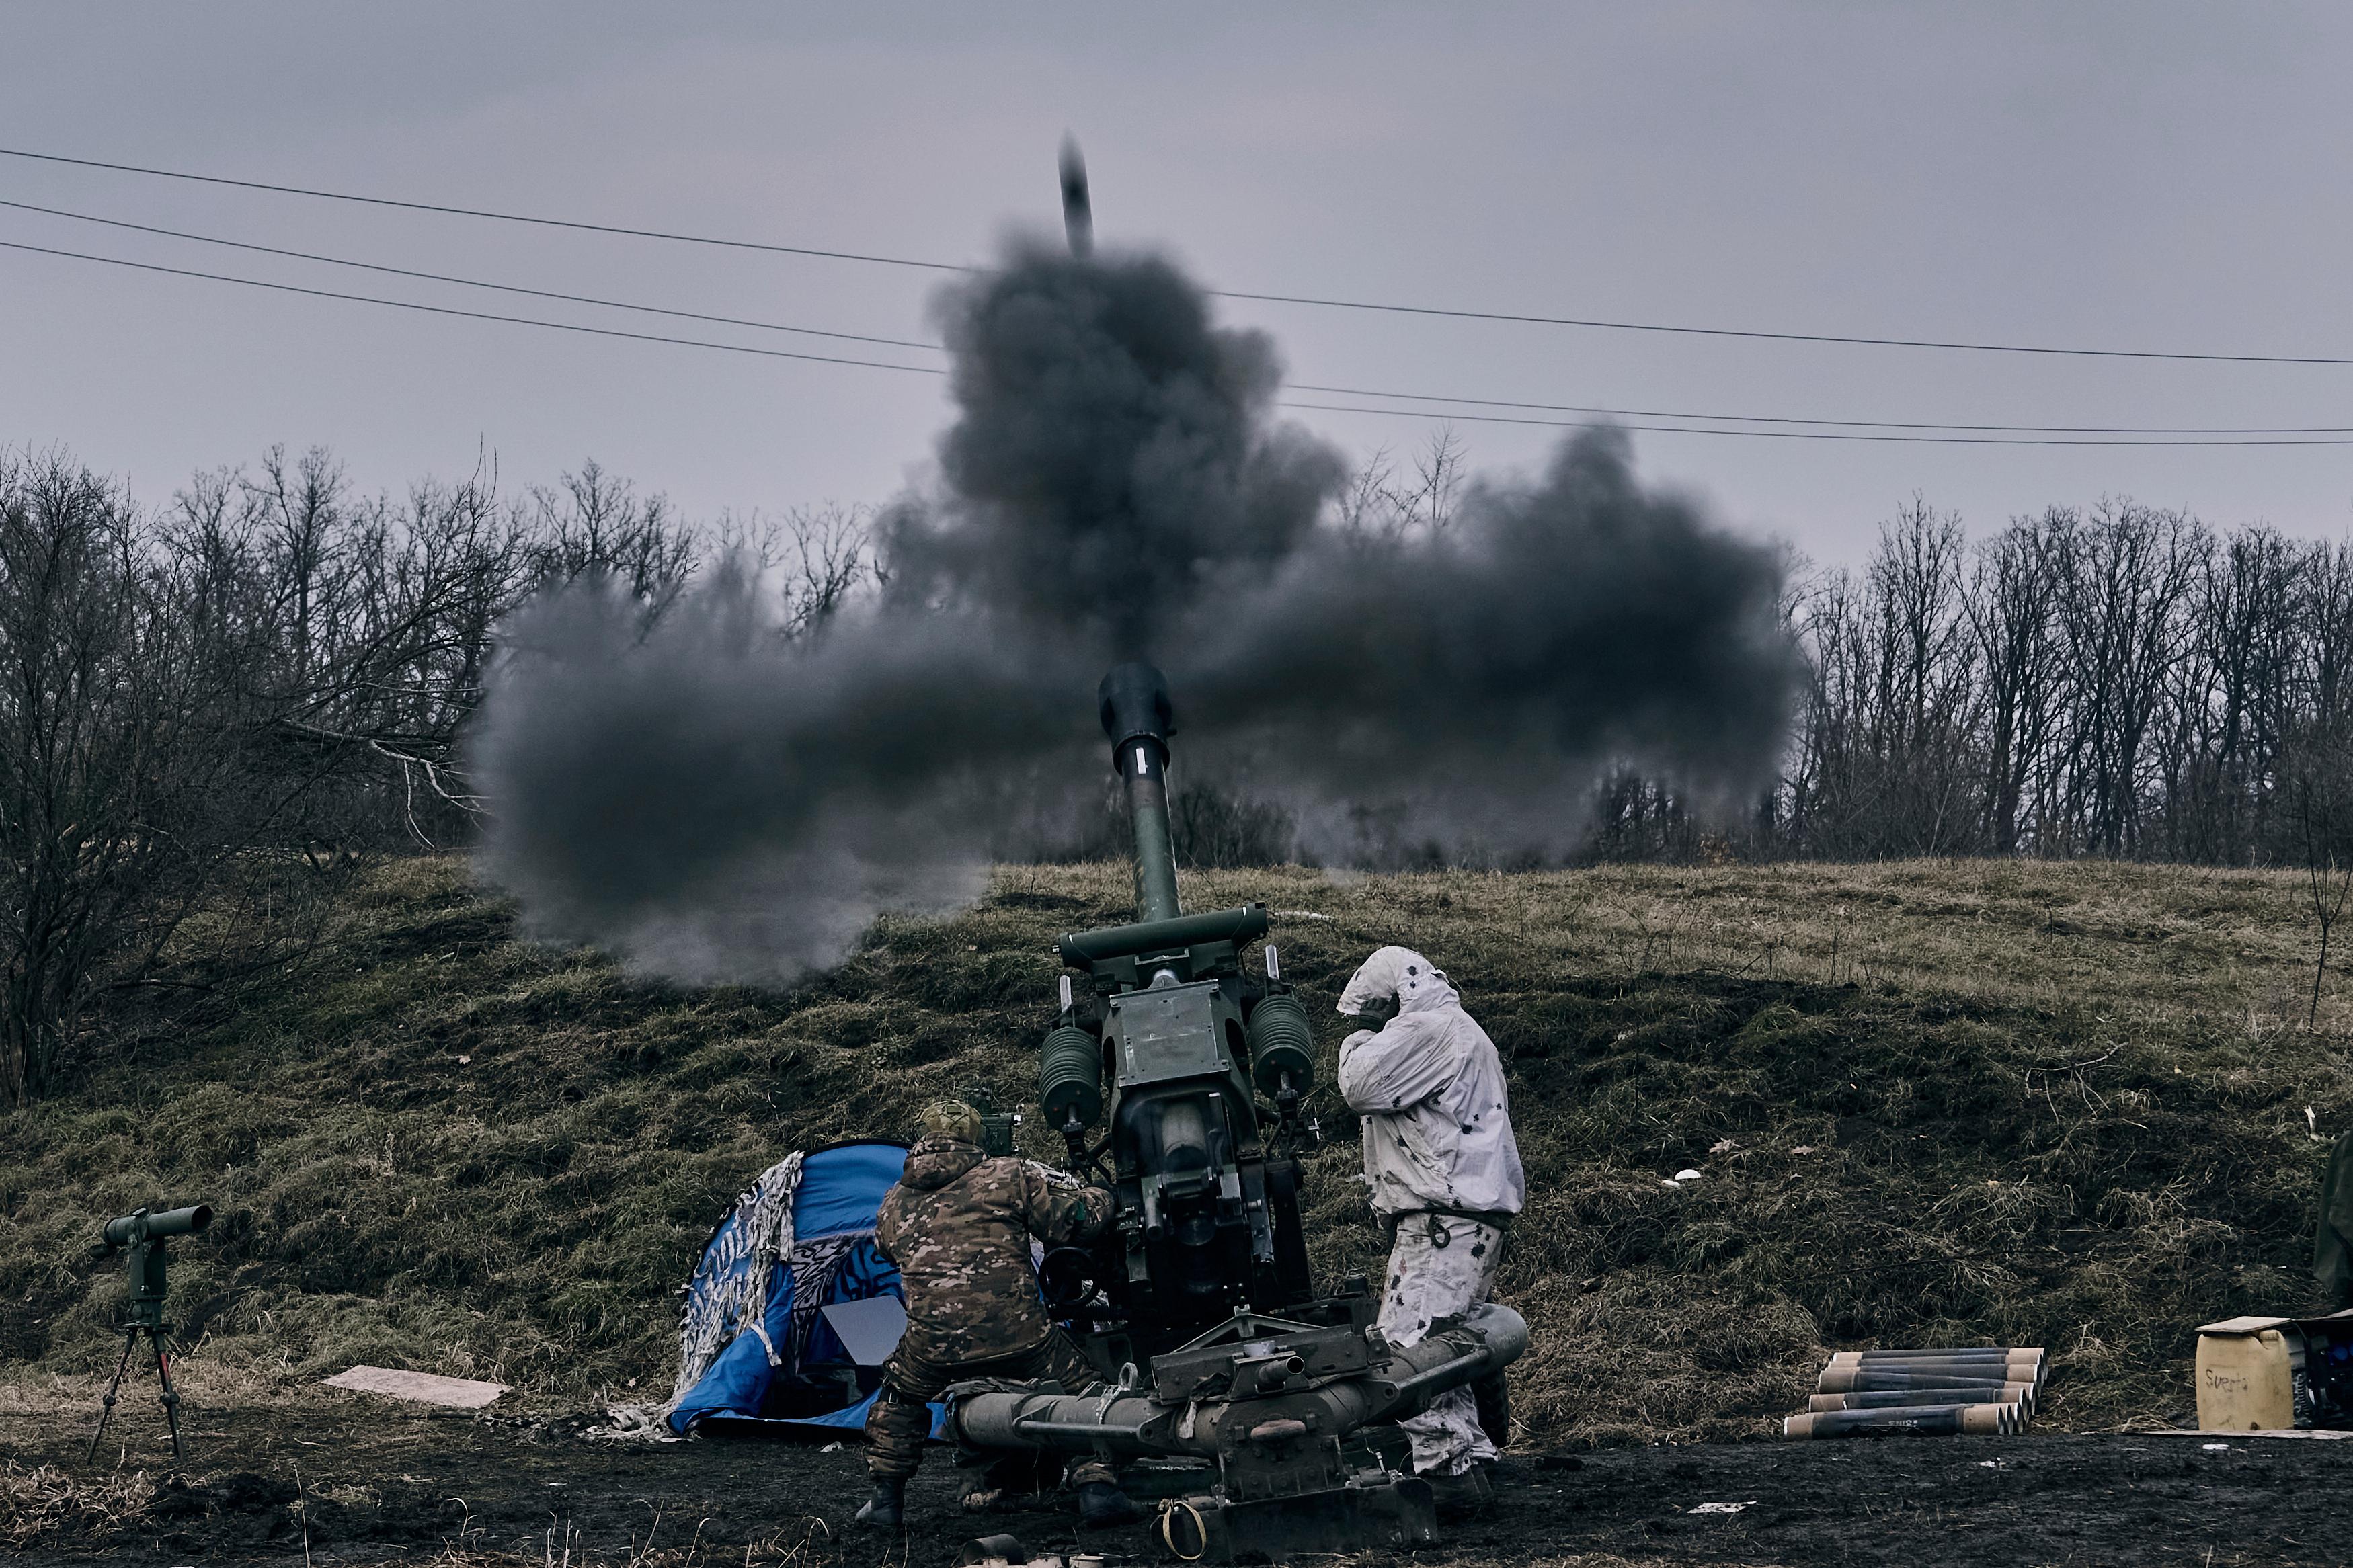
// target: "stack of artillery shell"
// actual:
[[1924, 1393]]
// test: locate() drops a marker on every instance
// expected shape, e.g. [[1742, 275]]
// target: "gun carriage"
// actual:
[[1196, 1073]]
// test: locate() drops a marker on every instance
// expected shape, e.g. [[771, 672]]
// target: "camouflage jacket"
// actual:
[[958, 1226]]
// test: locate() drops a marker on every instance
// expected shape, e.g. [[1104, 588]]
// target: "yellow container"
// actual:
[[2246, 1375]]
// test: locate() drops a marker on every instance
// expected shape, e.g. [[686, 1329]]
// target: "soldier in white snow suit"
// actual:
[[1445, 1175]]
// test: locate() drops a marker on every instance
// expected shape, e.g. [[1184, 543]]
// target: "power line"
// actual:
[[1595, 409], [1830, 435], [1592, 322], [477, 212], [932, 370], [471, 315], [1843, 423], [1754, 334], [467, 282]]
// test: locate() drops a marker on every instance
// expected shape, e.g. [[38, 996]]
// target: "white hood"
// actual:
[[1399, 971], [1429, 1086]]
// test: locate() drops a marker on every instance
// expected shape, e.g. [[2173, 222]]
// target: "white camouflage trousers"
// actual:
[[1431, 1278]]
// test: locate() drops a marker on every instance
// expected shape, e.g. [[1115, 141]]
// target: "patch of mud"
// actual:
[[378, 1485]]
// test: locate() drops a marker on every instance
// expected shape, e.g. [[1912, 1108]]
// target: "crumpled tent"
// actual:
[[756, 1352]]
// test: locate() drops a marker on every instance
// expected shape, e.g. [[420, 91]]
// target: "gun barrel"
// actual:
[[1138, 717]]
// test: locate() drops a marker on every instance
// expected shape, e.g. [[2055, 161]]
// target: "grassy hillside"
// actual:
[[1934, 1102]]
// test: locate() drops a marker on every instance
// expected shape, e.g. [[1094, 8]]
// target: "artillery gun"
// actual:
[[1177, 1042], [1198, 1071]]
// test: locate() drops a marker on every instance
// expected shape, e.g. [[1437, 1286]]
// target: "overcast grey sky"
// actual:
[[2142, 175]]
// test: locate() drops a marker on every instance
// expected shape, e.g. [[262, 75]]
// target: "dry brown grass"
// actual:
[[1934, 1102], [46, 1502], [808, 1543]]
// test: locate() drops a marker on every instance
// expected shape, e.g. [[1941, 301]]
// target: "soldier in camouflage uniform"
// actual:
[[2332, 1242], [958, 1226]]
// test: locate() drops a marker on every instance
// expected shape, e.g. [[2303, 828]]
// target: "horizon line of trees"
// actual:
[[271, 674], [2118, 680]]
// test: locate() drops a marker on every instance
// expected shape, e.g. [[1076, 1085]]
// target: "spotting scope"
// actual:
[[134, 1228], [142, 1234]]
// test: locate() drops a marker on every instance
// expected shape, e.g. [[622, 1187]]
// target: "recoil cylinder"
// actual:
[[1281, 1044], [1069, 1078]]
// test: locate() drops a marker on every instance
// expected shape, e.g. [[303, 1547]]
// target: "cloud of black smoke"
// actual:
[[715, 803], [1113, 465], [1472, 680]]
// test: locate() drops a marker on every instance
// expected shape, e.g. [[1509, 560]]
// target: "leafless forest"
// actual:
[[238, 692], [2116, 680]]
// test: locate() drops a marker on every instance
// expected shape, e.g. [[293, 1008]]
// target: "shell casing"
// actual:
[[1966, 1366], [1971, 1364], [2019, 1394], [1960, 1353], [1901, 1375], [2015, 1357], [1917, 1420]]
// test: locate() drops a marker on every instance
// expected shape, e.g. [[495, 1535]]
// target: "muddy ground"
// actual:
[[377, 1482]]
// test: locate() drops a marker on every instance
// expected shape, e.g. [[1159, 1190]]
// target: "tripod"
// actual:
[[142, 1235], [158, 1335]]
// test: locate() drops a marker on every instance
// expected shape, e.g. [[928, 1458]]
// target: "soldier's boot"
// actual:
[[1101, 1505], [888, 1506], [1459, 1497]]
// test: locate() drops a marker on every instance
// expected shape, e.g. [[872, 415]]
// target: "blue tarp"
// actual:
[[840, 1190]]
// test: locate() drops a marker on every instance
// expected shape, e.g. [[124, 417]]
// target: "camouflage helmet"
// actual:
[[951, 1120]]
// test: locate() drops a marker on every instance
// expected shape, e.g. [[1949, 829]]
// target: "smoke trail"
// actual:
[[714, 803], [1476, 678]]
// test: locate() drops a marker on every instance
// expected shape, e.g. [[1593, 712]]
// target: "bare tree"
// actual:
[[1925, 683], [2125, 575], [2009, 605], [1821, 786], [829, 558], [2235, 693], [1375, 503], [301, 513], [590, 524], [2326, 619], [1217, 824], [2321, 801], [1888, 760], [1364, 503], [1438, 477], [359, 631], [124, 776]]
